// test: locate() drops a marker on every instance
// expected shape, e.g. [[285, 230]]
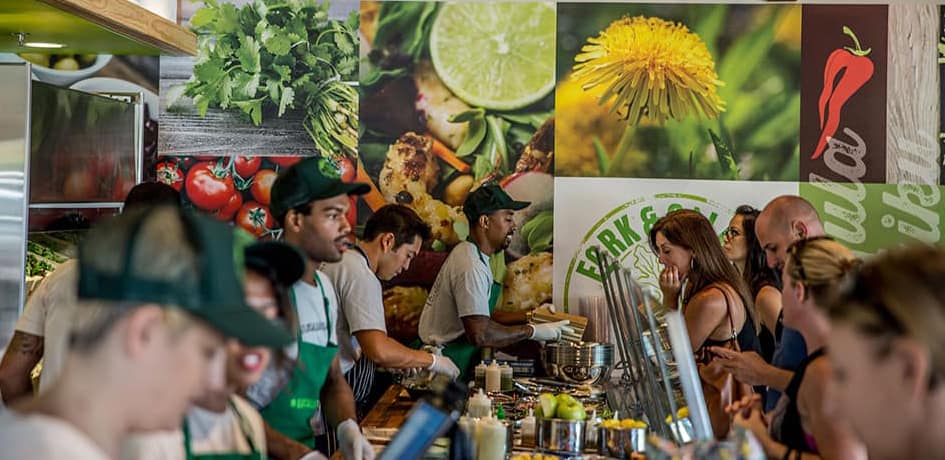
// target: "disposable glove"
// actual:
[[550, 331], [352, 443], [443, 365]]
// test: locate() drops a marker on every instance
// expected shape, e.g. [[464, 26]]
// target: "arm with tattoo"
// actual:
[[24, 351]]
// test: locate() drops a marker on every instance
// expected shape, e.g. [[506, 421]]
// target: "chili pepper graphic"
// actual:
[[857, 70]]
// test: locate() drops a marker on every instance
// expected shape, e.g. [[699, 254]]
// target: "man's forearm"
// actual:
[[496, 335], [23, 352], [777, 378], [510, 318], [282, 447], [337, 398], [391, 354]]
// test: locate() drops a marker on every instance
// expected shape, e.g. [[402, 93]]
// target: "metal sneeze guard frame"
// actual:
[[633, 317]]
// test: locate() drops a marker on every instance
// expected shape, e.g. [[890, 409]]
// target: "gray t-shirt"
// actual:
[[362, 304], [461, 289]]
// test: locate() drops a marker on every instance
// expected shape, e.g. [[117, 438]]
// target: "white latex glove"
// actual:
[[314, 455], [443, 365], [352, 443], [550, 331]]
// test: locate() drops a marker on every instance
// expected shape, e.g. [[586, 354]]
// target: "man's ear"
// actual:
[[293, 221], [387, 242], [142, 328], [484, 222], [800, 229]]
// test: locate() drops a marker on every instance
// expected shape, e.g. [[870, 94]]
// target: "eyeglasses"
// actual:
[[731, 233], [794, 253]]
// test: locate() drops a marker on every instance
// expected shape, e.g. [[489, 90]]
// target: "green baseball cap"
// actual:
[[176, 258], [314, 178], [488, 199]]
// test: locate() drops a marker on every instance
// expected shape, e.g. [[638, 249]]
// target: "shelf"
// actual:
[[92, 26]]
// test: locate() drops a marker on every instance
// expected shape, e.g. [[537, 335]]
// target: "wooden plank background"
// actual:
[[221, 133], [912, 85]]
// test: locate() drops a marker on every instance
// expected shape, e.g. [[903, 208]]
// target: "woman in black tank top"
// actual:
[[799, 427], [742, 248]]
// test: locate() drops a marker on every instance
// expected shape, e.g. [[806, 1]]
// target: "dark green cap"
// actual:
[[488, 199], [314, 178], [173, 257]]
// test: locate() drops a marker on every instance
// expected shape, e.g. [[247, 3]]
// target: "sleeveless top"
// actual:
[[790, 431], [747, 338]]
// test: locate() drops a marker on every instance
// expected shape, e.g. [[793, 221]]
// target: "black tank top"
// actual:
[[792, 433]]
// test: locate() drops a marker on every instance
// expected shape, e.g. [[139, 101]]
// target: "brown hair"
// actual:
[[400, 220], [822, 265], [694, 232], [900, 293]]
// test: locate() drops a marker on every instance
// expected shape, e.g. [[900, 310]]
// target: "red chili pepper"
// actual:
[[857, 70]]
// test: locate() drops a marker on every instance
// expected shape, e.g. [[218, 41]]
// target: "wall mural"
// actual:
[[636, 108]]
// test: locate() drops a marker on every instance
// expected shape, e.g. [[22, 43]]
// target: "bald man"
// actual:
[[786, 219]]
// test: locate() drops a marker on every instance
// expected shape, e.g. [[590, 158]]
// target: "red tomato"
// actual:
[[262, 185], [255, 218], [352, 214], [284, 162], [347, 169], [80, 185], [168, 172], [208, 187], [227, 212], [246, 166]]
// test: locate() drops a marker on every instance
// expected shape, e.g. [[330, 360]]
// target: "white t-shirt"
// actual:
[[362, 303], [461, 289], [210, 433], [310, 308], [41, 437], [48, 314]]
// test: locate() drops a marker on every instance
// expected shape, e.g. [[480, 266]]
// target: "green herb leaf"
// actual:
[[248, 54], [276, 41], [285, 102], [203, 17], [539, 231]]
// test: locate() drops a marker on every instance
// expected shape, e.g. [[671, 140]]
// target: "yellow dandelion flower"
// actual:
[[651, 68]]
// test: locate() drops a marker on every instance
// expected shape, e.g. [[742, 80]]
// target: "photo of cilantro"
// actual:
[[268, 57]]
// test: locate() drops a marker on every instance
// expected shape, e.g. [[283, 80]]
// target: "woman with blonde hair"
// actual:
[[889, 327], [713, 297], [799, 427]]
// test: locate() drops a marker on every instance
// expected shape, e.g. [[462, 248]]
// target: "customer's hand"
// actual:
[[352, 443], [443, 365], [747, 367], [670, 285], [550, 331]]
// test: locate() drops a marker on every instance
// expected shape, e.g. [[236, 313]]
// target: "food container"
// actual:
[[622, 442], [583, 363], [559, 435]]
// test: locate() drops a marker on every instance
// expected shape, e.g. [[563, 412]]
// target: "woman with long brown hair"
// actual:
[[713, 297]]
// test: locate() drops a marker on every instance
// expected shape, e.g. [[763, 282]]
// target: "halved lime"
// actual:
[[495, 55]]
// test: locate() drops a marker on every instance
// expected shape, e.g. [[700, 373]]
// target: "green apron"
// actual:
[[244, 428], [464, 354], [295, 405]]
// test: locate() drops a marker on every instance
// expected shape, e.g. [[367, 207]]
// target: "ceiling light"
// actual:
[[43, 45]]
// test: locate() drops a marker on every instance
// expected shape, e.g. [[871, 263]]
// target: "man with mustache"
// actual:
[[459, 313], [392, 238], [310, 201]]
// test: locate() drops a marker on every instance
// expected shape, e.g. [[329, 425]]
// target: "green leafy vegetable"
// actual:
[[277, 56], [539, 231], [726, 156]]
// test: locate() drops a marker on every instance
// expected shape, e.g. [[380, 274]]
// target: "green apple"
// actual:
[[570, 408], [549, 404]]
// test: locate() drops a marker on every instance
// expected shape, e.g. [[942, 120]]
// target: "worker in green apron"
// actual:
[[460, 314], [310, 201]]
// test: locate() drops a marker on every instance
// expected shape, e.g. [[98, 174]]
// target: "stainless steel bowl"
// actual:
[[584, 363], [622, 442], [559, 435]]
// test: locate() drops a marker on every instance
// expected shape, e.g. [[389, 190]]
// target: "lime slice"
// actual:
[[498, 56]]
